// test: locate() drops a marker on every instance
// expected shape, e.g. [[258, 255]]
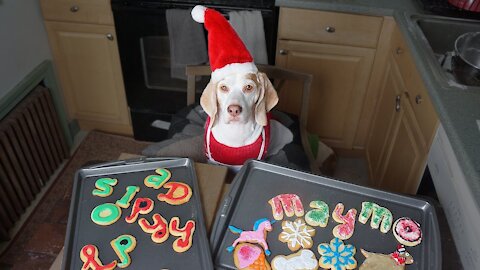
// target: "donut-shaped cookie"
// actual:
[[407, 231]]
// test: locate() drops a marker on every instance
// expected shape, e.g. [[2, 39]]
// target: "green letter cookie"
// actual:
[[124, 202], [157, 181], [379, 215], [123, 245], [319, 215], [106, 214], [104, 187]]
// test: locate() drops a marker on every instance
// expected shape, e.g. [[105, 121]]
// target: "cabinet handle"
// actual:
[[399, 51], [109, 36], [397, 103], [74, 8], [330, 29], [418, 99], [283, 52]]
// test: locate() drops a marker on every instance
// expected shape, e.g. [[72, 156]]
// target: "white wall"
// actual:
[[23, 41]]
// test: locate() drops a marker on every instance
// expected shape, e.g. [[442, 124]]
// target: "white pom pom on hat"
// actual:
[[198, 13]]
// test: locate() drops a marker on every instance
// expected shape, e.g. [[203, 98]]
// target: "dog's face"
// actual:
[[239, 98]]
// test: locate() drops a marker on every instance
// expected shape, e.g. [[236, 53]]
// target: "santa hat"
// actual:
[[227, 53]]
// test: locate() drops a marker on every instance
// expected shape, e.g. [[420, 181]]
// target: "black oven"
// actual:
[[153, 96]]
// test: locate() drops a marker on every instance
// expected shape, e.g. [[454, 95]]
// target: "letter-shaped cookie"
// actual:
[[89, 257], [319, 215], [104, 187], [380, 216], [177, 194], [123, 245], [290, 203], [159, 228], [157, 181], [140, 206], [185, 234], [347, 226], [124, 202], [106, 214]]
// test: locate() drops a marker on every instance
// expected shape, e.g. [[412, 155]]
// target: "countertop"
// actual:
[[458, 108]]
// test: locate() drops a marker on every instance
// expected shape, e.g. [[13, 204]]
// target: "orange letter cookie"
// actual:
[[290, 203], [123, 245], [345, 229], [140, 206], [157, 181], [159, 228], [177, 194], [184, 242], [89, 257]]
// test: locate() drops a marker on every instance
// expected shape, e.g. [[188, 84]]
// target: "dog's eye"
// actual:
[[248, 87], [224, 88]]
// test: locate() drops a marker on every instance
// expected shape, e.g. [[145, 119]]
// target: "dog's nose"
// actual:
[[234, 110]]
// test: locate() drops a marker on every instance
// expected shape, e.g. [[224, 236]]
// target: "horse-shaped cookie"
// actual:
[[257, 236]]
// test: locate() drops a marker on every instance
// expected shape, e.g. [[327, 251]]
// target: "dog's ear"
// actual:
[[267, 98], [208, 100]]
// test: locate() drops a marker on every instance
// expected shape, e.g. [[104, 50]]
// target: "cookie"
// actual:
[[407, 231], [123, 245], [89, 257], [106, 214], [381, 216], [396, 260], [248, 256], [319, 215], [257, 236], [158, 229], [104, 187], [178, 193], [131, 191], [302, 260], [336, 255], [185, 234], [288, 203], [297, 234], [157, 181], [347, 222], [140, 206]]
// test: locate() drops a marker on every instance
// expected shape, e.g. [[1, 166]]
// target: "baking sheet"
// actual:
[[258, 182], [82, 230]]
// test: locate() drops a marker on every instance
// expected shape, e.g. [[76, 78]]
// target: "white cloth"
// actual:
[[249, 26], [279, 137]]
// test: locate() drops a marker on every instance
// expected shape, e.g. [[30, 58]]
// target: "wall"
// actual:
[[23, 41]]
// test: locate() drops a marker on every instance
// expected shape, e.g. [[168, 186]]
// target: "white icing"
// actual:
[[304, 260], [297, 233]]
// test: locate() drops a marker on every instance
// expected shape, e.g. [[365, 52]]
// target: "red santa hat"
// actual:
[[227, 53]]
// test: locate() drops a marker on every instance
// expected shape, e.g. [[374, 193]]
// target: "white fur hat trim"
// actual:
[[198, 13], [234, 68]]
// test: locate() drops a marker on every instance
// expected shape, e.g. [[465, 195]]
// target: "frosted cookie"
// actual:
[[106, 214], [248, 256], [157, 181], [123, 245], [185, 234], [178, 193], [336, 255], [407, 231], [319, 215], [257, 236], [104, 187], [158, 229], [131, 191], [347, 222], [297, 234], [302, 260], [381, 216], [396, 260], [89, 257], [140, 206], [288, 203]]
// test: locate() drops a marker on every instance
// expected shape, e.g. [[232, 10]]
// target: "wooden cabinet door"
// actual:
[[88, 65], [341, 74]]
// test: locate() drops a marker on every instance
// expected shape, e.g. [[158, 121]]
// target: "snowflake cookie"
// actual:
[[336, 255], [297, 234]]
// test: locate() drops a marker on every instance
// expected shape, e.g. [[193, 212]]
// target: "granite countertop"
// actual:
[[458, 108]]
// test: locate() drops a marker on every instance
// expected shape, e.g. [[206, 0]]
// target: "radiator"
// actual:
[[32, 146]]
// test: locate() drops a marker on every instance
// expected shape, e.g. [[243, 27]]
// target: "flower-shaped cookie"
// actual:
[[297, 234], [336, 255]]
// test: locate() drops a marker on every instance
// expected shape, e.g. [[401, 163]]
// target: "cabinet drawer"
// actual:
[[83, 11], [329, 27]]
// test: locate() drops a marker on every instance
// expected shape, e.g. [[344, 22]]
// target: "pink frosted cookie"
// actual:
[[407, 231], [248, 256], [347, 226], [288, 203]]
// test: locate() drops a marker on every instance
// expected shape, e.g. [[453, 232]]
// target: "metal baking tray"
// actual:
[[258, 182], [147, 255]]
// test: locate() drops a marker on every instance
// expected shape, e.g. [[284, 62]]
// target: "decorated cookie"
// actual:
[[185, 234], [257, 236], [336, 255], [89, 257], [158, 229], [302, 260], [319, 215], [288, 203], [407, 231], [124, 202], [106, 214], [297, 234], [396, 260], [104, 187], [157, 181], [347, 222], [248, 256], [381, 216], [140, 206], [178, 193], [123, 245]]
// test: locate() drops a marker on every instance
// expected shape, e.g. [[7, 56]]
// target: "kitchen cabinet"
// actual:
[[83, 42]]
